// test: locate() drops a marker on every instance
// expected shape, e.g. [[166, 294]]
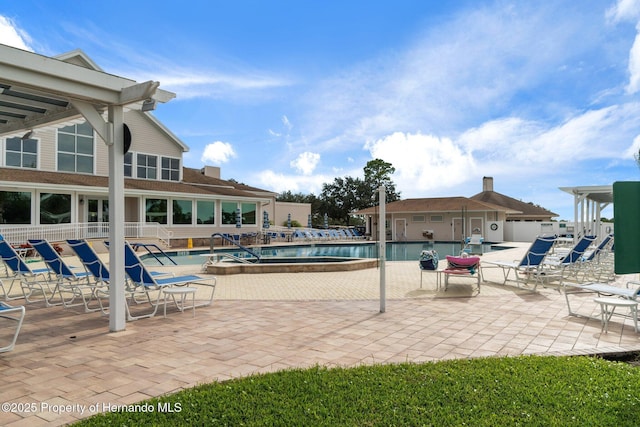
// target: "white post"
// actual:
[[117, 309], [383, 246]]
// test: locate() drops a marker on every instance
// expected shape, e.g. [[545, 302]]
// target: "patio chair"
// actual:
[[93, 265], [570, 263], [630, 292], [66, 279], [143, 282], [597, 264], [32, 281], [13, 314], [462, 266], [530, 266]]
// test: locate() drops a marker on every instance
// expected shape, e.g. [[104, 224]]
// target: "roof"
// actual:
[[598, 193], [36, 90], [194, 182], [437, 204], [523, 209]]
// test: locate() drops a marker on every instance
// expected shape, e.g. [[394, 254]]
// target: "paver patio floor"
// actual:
[[66, 360]]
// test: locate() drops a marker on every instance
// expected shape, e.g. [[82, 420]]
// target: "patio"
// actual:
[[67, 366]]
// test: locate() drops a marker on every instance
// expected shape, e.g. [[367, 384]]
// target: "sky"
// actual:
[[287, 95]]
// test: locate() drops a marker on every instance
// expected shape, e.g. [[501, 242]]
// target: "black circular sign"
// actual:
[[127, 138]]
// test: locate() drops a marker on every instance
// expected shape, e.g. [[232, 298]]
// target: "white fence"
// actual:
[[16, 235], [522, 231]]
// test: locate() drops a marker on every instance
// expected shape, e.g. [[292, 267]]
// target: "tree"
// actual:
[[377, 172], [341, 197]]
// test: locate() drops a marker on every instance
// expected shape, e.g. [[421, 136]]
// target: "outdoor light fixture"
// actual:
[[149, 104], [27, 135]]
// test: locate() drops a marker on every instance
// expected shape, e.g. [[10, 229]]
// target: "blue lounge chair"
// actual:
[[97, 269], [36, 281], [596, 263], [13, 314], [141, 281], [65, 279], [571, 262], [93, 265], [531, 265]]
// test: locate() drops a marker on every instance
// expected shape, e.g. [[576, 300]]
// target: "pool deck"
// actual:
[[66, 361]]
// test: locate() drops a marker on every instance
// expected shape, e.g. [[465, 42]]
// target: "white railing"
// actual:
[[16, 235]]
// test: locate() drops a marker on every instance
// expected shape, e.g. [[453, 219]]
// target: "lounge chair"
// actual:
[[531, 265], [99, 271], [570, 263], [13, 314], [631, 291], [32, 281], [65, 279], [93, 265], [461, 267], [597, 264], [142, 282]]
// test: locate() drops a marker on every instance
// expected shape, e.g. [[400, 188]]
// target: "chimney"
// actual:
[[211, 171], [487, 183]]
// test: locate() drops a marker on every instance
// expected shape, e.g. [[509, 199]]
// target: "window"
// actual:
[[249, 213], [418, 218], [156, 211], [229, 212], [436, 218], [128, 164], [22, 153], [205, 211], [55, 208], [75, 148], [147, 166], [15, 207], [182, 211], [170, 169]]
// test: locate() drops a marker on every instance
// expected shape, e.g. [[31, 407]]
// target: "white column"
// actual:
[[383, 247], [117, 309]]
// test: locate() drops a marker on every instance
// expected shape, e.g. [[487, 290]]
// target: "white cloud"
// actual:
[[287, 124], [423, 162], [306, 162], [634, 66], [280, 182], [13, 36], [624, 10], [218, 152]]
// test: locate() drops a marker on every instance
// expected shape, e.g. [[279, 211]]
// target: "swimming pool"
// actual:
[[395, 251]]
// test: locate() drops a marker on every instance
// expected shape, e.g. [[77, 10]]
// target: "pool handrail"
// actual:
[[233, 242], [146, 246]]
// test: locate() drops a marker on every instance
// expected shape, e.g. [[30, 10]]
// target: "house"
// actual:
[[520, 211], [56, 178], [438, 219]]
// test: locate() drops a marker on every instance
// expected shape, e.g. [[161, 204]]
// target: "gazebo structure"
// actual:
[[588, 204], [38, 91]]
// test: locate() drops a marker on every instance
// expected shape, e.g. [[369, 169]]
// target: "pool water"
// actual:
[[395, 251]]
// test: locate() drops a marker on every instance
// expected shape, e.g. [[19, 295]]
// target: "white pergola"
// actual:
[[588, 204], [37, 91]]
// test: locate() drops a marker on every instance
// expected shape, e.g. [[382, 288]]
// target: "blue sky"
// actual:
[[288, 95]]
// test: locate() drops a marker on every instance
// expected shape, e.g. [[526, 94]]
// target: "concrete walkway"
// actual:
[[67, 366]]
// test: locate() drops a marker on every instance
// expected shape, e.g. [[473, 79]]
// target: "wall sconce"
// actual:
[[81, 200], [27, 135]]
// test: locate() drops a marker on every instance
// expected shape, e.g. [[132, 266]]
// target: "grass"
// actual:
[[518, 391]]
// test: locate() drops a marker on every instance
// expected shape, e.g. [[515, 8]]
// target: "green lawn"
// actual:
[[518, 391]]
